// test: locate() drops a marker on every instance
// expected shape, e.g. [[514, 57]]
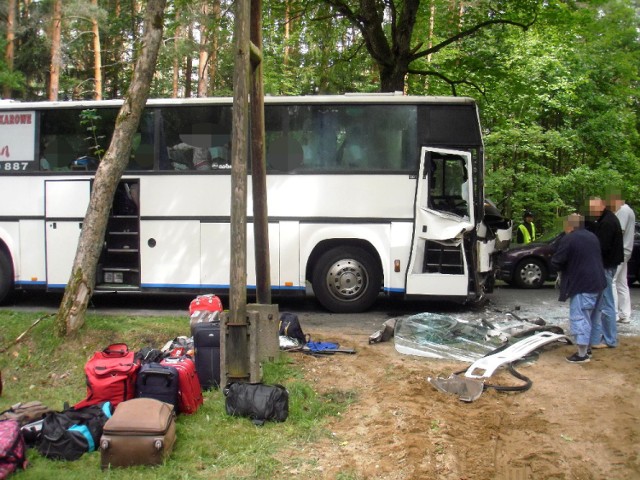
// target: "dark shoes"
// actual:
[[575, 358]]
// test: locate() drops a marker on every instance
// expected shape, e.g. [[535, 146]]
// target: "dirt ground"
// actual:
[[576, 422]]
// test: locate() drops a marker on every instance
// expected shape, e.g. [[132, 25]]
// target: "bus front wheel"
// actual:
[[6, 277], [347, 280]]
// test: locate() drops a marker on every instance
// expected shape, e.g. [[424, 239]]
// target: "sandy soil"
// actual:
[[576, 422]]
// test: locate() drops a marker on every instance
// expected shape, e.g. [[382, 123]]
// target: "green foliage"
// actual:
[[10, 78], [90, 118], [210, 444], [559, 101], [556, 108]]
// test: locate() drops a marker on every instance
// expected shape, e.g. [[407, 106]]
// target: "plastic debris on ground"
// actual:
[[288, 343], [443, 336]]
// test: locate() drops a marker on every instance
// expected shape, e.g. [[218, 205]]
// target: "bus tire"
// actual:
[[347, 280], [6, 277]]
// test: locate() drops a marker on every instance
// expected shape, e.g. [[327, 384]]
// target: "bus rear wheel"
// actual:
[[6, 277], [347, 280]]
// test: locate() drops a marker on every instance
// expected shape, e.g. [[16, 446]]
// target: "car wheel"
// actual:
[[347, 280], [530, 273]]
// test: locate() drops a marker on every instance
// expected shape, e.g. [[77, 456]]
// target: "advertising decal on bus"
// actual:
[[15, 128]]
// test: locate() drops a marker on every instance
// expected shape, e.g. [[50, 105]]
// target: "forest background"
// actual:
[[557, 82]]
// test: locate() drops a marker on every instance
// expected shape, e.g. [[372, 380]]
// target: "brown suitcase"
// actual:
[[141, 431]]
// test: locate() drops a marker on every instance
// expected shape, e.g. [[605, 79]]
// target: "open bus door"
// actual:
[[444, 213], [119, 263]]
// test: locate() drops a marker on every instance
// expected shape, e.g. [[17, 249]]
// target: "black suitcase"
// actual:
[[206, 342], [158, 381]]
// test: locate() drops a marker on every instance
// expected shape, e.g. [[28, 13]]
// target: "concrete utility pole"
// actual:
[[249, 334]]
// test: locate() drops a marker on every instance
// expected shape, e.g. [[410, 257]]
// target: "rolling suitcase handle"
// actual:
[[163, 373], [116, 350]]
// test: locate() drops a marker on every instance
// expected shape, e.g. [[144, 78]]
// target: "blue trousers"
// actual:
[[604, 324], [582, 310]]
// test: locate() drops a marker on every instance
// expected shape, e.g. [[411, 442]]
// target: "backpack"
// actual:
[[111, 376], [12, 448], [26, 412], [205, 303], [290, 327], [149, 355], [67, 435]]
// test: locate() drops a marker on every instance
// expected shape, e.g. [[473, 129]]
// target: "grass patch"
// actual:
[[210, 444]]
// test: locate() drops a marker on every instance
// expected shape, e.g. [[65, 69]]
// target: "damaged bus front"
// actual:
[[457, 233]]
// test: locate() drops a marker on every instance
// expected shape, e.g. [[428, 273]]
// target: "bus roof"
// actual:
[[350, 98]]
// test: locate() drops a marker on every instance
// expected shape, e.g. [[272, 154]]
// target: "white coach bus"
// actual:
[[366, 194]]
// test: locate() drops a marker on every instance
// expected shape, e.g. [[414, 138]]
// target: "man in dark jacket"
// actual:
[[607, 228], [582, 281]]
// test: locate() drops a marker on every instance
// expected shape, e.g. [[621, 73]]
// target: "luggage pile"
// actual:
[[133, 399]]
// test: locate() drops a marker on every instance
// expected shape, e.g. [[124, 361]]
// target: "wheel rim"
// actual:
[[347, 279], [531, 274]]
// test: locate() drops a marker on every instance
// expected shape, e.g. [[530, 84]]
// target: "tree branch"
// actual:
[[22, 335], [452, 83], [344, 10], [469, 32]]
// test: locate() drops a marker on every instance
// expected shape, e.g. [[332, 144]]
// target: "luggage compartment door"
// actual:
[[66, 204], [170, 253]]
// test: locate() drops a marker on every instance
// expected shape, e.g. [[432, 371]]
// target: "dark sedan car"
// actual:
[[529, 266]]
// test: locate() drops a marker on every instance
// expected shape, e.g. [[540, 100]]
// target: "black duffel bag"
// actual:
[[257, 401]]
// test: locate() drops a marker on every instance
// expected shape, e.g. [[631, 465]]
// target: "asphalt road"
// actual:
[[539, 303]]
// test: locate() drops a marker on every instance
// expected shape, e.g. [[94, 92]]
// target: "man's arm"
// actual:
[[560, 257]]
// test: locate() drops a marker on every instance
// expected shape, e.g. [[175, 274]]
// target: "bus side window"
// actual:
[[284, 154], [142, 151]]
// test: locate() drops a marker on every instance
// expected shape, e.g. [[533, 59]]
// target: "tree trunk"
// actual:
[[213, 47], [392, 77], [72, 309], [203, 52], [11, 37], [189, 68], [287, 32], [97, 56], [56, 57], [176, 58]]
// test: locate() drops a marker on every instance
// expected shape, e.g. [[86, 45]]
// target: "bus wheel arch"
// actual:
[[346, 276], [6, 274]]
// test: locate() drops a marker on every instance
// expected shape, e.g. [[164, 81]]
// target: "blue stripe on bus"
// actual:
[[168, 285], [213, 286], [394, 290]]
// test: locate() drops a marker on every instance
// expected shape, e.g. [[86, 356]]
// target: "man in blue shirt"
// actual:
[[582, 281]]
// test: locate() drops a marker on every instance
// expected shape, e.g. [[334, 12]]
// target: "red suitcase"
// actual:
[[111, 376], [189, 391]]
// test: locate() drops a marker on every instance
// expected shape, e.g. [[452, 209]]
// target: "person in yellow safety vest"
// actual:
[[526, 230]]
